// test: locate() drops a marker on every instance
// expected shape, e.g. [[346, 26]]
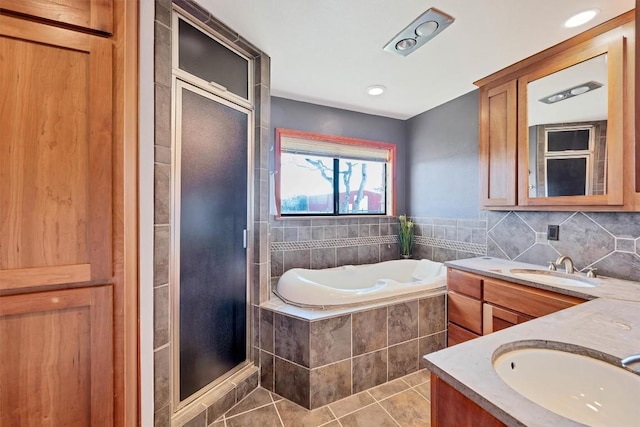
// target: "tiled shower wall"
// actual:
[[608, 241], [206, 409]]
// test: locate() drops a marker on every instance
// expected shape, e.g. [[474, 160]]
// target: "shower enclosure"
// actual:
[[212, 122]]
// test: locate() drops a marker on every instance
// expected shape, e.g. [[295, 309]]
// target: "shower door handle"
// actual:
[[244, 238]]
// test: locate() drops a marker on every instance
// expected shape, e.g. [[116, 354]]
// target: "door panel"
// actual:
[[55, 155], [212, 217], [94, 14], [56, 353]]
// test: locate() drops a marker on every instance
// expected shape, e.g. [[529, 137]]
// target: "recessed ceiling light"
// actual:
[[426, 28], [376, 90], [406, 44], [581, 18]]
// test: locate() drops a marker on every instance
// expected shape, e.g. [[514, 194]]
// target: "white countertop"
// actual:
[[608, 327]]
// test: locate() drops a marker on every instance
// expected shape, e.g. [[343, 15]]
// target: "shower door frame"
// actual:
[[179, 80]]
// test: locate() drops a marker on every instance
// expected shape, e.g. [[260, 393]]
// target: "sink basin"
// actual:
[[577, 387], [554, 278]]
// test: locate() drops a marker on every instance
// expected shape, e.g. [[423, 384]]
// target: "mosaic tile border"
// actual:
[[474, 248], [332, 243]]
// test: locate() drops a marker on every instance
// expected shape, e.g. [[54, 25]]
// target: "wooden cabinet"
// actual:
[[479, 305], [450, 408], [56, 169], [519, 169], [68, 289], [92, 14], [57, 358], [498, 141], [464, 306]]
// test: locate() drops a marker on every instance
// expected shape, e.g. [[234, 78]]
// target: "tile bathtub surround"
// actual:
[[446, 239], [402, 402], [260, 268], [608, 241], [316, 362]]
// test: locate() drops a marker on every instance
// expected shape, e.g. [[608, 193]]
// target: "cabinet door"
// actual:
[[55, 155], [93, 14], [465, 311], [496, 318], [56, 355], [498, 143]]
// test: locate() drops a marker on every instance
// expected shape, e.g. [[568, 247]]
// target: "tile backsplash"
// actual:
[[608, 241]]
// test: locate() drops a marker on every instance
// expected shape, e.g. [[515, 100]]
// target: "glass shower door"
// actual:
[[210, 195]]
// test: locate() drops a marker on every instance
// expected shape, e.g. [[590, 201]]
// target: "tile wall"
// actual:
[[224, 396], [608, 241], [316, 362]]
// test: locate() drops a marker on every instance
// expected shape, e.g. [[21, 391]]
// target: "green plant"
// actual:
[[405, 235]]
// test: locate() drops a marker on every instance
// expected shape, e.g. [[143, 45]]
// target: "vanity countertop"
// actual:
[[608, 325], [497, 268]]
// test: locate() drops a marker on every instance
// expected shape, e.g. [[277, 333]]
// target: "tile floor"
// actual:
[[402, 402]]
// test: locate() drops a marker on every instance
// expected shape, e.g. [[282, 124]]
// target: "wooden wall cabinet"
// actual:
[[511, 177], [91, 14]]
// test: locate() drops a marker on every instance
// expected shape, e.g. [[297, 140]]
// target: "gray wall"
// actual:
[[286, 113], [442, 148]]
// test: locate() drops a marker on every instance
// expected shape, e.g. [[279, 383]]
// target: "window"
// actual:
[[331, 175], [568, 161]]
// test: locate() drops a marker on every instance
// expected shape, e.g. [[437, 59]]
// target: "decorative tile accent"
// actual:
[[474, 248], [331, 243]]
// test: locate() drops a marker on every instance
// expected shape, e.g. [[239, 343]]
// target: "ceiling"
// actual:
[[328, 52]]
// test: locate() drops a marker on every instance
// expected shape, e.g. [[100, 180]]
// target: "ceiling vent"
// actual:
[[421, 30]]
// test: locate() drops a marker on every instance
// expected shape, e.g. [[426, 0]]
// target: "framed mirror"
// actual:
[[570, 128]]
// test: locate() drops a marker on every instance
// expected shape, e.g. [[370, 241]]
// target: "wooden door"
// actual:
[[92, 14], [57, 358], [498, 144], [55, 156]]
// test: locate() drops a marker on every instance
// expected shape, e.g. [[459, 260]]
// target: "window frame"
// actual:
[[390, 196]]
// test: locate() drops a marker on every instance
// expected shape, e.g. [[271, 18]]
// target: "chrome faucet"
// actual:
[[568, 263], [634, 358]]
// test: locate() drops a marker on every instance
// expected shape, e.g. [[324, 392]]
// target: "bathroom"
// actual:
[[449, 225]]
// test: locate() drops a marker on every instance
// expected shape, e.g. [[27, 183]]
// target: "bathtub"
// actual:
[[356, 284]]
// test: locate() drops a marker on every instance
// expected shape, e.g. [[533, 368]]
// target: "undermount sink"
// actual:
[[577, 387], [554, 278]]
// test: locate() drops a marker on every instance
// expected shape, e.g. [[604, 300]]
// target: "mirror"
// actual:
[[567, 124]]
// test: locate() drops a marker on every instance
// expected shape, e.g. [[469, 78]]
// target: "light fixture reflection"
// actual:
[[581, 18]]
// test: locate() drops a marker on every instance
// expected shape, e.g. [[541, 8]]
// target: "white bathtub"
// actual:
[[354, 284]]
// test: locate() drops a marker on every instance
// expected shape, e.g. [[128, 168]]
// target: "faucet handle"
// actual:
[[552, 266], [591, 272]]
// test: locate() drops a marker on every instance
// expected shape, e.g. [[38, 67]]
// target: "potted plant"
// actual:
[[405, 236]]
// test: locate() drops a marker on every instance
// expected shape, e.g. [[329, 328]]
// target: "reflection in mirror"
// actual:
[[567, 118]]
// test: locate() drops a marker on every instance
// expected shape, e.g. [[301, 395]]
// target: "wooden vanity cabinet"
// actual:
[[450, 408], [464, 307], [479, 305]]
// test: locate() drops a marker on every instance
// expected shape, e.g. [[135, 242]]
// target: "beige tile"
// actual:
[[333, 423], [276, 397], [294, 415], [409, 409], [265, 416], [372, 415], [385, 390], [351, 404], [419, 377], [255, 399], [424, 389]]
